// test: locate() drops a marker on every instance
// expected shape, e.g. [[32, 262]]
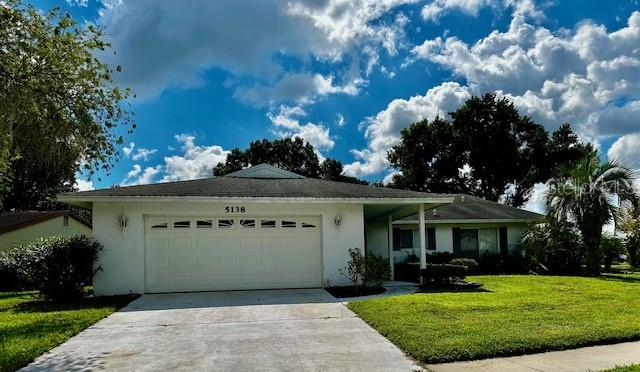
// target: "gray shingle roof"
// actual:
[[467, 207], [232, 187], [10, 221]]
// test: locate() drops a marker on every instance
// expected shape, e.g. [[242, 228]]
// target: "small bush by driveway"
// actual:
[[515, 315], [30, 326]]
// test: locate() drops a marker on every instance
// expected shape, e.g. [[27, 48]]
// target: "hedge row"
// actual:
[[59, 267]]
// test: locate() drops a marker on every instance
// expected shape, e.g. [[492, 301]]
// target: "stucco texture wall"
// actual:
[[52, 227], [122, 259]]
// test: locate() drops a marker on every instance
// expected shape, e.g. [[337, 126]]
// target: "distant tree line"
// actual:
[[292, 154], [486, 149]]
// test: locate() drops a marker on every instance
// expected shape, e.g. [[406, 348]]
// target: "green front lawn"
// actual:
[[30, 327], [633, 368], [515, 315]]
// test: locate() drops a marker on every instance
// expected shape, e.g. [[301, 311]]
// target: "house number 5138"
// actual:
[[234, 209]]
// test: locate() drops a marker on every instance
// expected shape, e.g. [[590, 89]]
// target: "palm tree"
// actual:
[[589, 194]]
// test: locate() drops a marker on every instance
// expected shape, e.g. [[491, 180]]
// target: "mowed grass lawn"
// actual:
[[29, 326], [517, 315]]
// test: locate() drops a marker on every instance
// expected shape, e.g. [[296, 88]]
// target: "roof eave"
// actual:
[[87, 200], [471, 221]]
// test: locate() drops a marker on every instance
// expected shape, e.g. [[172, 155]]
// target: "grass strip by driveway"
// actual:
[[30, 326], [515, 315], [632, 368]]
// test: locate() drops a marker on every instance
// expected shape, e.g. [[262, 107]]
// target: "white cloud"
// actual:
[[588, 77], [83, 185], [562, 76], [140, 153], [128, 150], [537, 201], [165, 44], [340, 120], [143, 154], [435, 9], [299, 88], [195, 162], [82, 3], [287, 124], [383, 129], [626, 150], [138, 176]]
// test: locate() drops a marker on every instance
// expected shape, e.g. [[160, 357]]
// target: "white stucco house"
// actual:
[[17, 228], [258, 228]]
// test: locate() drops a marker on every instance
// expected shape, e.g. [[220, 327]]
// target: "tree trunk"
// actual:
[[592, 237], [632, 251]]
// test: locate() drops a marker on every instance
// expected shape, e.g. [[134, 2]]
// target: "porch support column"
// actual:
[[390, 242], [423, 243]]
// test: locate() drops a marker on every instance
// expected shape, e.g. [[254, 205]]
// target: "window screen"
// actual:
[[469, 243], [268, 224], [225, 223], [431, 238], [288, 224], [156, 225], [181, 224], [402, 239], [248, 224], [204, 224]]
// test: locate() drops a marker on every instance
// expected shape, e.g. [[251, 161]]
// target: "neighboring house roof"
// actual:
[[469, 208], [11, 221], [261, 181]]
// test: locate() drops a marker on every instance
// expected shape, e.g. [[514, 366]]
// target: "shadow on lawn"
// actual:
[[452, 290], [620, 278], [45, 306], [8, 295]]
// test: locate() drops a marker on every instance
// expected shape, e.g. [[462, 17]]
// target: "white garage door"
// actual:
[[216, 253]]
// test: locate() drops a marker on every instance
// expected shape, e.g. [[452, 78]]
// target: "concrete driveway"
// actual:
[[280, 330]]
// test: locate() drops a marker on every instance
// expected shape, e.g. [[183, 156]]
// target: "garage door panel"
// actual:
[[234, 258]]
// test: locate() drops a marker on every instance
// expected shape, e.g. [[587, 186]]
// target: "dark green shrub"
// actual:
[[376, 270], [553, 248], [469, 263], [8, 275], [412, 258], [442, 274], [368, 271], [407, 272], [612, 247], [440, 257], [59, 267]]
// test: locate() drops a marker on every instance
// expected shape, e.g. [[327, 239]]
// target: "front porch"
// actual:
[[379, 222]]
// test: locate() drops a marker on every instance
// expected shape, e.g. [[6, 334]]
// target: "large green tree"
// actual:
[[586, 194], [487, 149], [292, 154], [629, 224], [60, 109]]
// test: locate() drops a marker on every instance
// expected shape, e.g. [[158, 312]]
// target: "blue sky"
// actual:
[[347, 76]]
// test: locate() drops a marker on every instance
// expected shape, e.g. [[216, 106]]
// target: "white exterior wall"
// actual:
[[377, 238], [122, 258], [444, 237], [52, 227]]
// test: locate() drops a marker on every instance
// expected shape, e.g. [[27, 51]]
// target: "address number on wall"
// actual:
[[234, 209]]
